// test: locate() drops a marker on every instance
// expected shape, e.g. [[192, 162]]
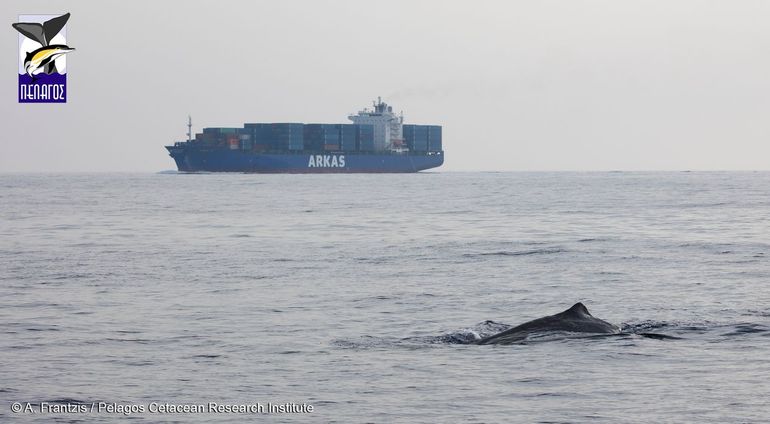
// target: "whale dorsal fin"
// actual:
[[578, 309]]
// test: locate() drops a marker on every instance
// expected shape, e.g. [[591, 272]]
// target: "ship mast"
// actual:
[[189, 128]]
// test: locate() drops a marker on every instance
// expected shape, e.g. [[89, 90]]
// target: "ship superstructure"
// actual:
[[387, 125]]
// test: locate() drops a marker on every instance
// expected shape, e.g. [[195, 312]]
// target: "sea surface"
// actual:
[[360, 295]]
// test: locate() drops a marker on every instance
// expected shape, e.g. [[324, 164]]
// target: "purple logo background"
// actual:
[[26, 84]]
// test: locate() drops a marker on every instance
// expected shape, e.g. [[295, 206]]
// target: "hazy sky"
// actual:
[[517, 85]]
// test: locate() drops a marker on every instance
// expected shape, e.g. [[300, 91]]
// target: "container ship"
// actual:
[[377, 141]]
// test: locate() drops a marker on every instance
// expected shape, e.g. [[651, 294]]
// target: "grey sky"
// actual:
[[517, 85]]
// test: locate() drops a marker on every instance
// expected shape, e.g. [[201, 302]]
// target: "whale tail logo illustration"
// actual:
[[41, 43]]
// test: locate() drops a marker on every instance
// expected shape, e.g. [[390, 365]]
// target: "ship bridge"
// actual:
[[388, 134]]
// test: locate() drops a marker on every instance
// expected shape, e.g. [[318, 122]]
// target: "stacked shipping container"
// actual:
[[365, 138], [423, 138], [339, 137], [280, 136], [314, 137], [331, 140]]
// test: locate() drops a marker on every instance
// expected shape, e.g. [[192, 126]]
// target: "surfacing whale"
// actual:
[[576, 319]]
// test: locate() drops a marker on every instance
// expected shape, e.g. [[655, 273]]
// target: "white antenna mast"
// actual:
[[189, 128]]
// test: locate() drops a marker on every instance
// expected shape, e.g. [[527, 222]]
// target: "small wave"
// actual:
[[454, 338], [66, 400], [247, 277], [373, 298], [140, 363], [364, 342], [702, 205], [587, 240], [324, 402], [577, 212], [517, 252], [43, 329], [758, 313], [140, 341], [644, 326], [75, 276], [218, 291], [659, 336], [454, 212], [377, 260], [458, 337], [649, 328], [468, 335], [747, 328]]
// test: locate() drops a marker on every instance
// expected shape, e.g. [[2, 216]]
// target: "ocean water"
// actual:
[[359, 295]]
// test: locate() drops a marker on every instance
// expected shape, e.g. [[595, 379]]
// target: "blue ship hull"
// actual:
[[226, 160]]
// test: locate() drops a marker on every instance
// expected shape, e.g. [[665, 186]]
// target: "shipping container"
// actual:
[[293, 137], [365, 138], [218, 130], [416, 137], [277, 136], [419, 146], [434, 138], [348, 137], [331, 134], [233, 142], [313, 137]]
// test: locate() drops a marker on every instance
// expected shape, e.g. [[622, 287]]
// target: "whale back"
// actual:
[[575, 319]]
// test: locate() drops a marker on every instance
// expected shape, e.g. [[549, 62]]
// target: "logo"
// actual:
[[42, 58], [326, 161]]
